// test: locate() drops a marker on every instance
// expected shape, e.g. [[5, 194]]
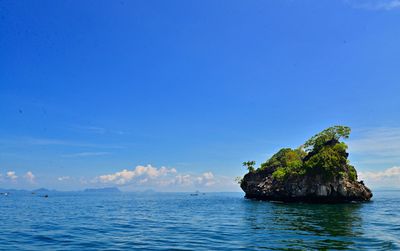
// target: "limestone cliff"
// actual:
[[318, 171]]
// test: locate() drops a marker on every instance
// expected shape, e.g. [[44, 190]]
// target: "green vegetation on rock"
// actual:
[[250, 165], [333, 134], [323, 154]]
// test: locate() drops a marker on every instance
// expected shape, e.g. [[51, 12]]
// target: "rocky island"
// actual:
[[318, 171]]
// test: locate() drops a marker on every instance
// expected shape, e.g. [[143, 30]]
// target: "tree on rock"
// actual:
[[250, 165], [331, 134]]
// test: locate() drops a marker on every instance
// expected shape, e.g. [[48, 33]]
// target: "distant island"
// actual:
[[44, 191], [102, 190], [317, 171]]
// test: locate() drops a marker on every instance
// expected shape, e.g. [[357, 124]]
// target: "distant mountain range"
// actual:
[[47, 191], [102, 190]]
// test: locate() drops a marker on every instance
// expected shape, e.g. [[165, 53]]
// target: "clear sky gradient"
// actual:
[[90, 88]]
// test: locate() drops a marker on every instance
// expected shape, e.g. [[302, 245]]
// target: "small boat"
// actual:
[[197, 193]]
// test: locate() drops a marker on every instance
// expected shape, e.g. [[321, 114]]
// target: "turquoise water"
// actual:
[[225, 221]]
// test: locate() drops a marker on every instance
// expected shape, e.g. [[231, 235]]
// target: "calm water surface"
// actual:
[[226, 221]]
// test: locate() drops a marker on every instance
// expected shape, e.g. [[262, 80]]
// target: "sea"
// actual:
[[184, 221]]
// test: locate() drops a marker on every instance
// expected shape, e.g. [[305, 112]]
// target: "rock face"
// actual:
[[263, 186], [317, 171]]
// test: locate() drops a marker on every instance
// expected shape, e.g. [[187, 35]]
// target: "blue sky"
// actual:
[[174, 95]]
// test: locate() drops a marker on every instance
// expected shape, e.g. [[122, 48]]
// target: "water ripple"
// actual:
[[226, 221]]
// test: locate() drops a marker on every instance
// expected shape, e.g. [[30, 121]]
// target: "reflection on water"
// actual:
[[306, 225], [334, 221], [315, 226]]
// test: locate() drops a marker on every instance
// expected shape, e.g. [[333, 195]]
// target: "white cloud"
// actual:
[[206, 179], [63, 178], [375, 4], [374, 147], [389, 177], [387, 173], [391, 5], [97, 130], [30, 177], [125, 176], [181, 180], [384, 141], [167, 179], [11, 175]]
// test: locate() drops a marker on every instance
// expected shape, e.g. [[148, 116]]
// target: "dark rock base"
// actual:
[[307, 199], [310, 189]]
